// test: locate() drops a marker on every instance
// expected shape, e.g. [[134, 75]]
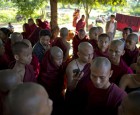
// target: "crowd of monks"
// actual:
[[38, 77]]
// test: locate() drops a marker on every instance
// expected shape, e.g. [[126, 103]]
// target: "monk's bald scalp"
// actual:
[[27, 42], [100, 62], [26, 99], [133, 37], [64, 32], [118, 43], [84, 45], [93, 30], [8, 80], [16, 37], [81, 31], [56, 51]]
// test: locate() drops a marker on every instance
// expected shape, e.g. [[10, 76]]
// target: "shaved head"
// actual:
[[119, 43], [133, 37], [29, 99], [8, 80], [93, 33], [27, 42], [84, 45], [16, 37], [64, 32]]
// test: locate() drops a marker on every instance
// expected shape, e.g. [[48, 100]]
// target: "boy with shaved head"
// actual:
[[8, 81], [52, 77], [62, 42], [119, 67], [31, 99], [131, 51], [131, 104], [95, 95]]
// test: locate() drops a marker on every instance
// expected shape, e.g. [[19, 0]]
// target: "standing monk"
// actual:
[[81, 23], [32, 25]]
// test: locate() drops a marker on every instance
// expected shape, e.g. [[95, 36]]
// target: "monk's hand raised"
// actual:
[[78, 76]]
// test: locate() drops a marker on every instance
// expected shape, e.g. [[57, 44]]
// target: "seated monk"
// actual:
[[80, 37], [4, 59], [35, 62], [42, 45], [131, 51], [103, 44], [8, 81], [93, 37], [52, 78], [100, 30], [23, 56], [130, 104], [28, 99], [131, 82], [62, 43], [119, 67], [94, 94], [32, 25], [26, 31]]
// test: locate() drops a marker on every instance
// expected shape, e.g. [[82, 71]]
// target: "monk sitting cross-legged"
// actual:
[[95, 95], [23, 56], [52, 77], [28, 99]]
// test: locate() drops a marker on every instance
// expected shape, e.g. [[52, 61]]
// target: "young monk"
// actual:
[[62, 43], [8, 81], [32, 25], [52, 78], [35, 62], [131, 82], [119, 67], [55, 32], [94, 94], [81, 23], [28, 99], [103, 44], [4, 59], [130, 104], [100, 30], [80, 37], [26, 31], [131, 51], [93, 37], [42, 45], [23, 56]]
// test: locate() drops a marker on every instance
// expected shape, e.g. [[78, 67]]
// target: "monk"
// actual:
[[26, 31], [4, 59], [55, 33], [32, 25], [62, 43], [42, 45], [103, 45], [28, 99], [131, 51], [52, 78], [8, 81], [100, 30], [80, 37], [35, 62], [81, 23], [94, 94], [93, 37], [119, 67], [130, 104], [131, 82], [23, 56]]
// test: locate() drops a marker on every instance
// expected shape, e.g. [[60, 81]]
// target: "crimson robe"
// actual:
[[119, 71], [80, 25], [94, 43], [99, 53], [89, 100], [130, 57], [33, 27], [76, 41], [27, 31], [52, 78]]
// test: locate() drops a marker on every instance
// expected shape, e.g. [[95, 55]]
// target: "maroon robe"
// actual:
[[36, 65], [94, 43], [99, 53], [89, 100], [76, 41], [119, 71], [33, 27], [26, 32], [130, 57], [4, 62], [80, 25], [34, 37]]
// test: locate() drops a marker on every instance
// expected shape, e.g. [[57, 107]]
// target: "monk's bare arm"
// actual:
[[124, 82], [67, 52]]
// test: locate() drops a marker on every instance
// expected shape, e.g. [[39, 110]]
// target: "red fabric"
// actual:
[[34, 37], [119, 71], [43, 25], [33, 27], [36, 65], [130, 56], [80, 25], [94, 43], [99, 53], [29, 75], [76, 41], [127, 21], [27, 31]]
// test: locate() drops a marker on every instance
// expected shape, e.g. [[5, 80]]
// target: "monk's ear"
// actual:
[[16, 57], [78, 54], [111, 72], [123, 52]]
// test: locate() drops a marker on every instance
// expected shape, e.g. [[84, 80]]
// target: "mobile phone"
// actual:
[[76, 71]]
